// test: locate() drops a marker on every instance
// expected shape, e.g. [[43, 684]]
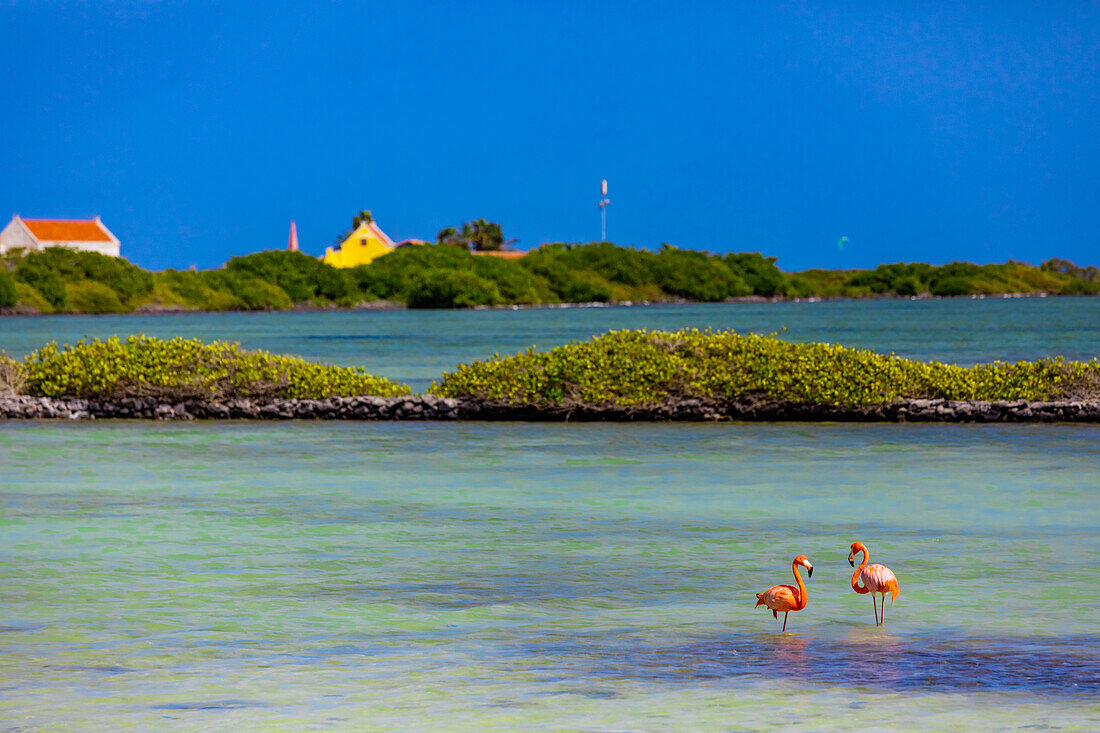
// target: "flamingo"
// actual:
[[876, 579], [787, 598]]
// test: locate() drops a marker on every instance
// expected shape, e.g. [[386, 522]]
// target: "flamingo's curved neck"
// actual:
[[855, 576], [801, 588]]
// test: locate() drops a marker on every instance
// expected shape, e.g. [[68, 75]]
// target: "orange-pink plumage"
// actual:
[[873, 579], [787, 598]]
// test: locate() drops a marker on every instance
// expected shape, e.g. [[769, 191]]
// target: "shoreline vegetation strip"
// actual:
[[640, 367], [61, 280], [628, 372], [181, 369]]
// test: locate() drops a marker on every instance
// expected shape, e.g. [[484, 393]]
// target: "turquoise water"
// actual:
[[291, 576], [417, 346], [593, 577]]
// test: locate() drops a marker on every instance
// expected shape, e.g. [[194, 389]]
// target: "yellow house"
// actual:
[[368, 242]]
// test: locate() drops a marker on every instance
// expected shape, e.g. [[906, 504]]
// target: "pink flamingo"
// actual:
[[787, 598], [876, 579]]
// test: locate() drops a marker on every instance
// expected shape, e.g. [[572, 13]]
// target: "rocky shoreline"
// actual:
[[430, 407]]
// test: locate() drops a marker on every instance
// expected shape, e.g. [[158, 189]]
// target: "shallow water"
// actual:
[[596, 577], [417, 346]]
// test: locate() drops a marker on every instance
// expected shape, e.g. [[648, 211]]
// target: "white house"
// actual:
[[32, 234]]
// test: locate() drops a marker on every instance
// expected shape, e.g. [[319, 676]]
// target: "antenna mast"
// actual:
[[604, 201]]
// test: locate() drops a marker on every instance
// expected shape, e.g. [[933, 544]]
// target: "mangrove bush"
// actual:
[[652, 367], [183, 369]]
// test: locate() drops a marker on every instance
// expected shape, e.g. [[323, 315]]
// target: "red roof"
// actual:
[[62, 230]]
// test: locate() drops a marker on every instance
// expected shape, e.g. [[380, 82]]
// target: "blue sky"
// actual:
[[199, 130]]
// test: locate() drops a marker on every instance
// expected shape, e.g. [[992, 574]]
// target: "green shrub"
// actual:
[[696, 276], [638, 293], [952, 286], [1030, 279], [189, 369], [50, 269], [684, 273], [45, 280], [399, 275], [800, 286], [621, 265], [439, 288], [226, 290], [1070, 270], [129, 281], [30, 297], [515, 283], [301, 277], [650, 367], [1081, 287], [952, 279], [908, 286], [758, 272], [566, 285], [8, 294], [259, 295], [87, 296], [198, 290], [878, 280], [391, 276]]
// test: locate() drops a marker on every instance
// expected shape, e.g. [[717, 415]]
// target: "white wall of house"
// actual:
[[16, 235], [104, 248]]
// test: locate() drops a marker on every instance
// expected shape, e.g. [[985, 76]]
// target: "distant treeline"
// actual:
[[59, 280]]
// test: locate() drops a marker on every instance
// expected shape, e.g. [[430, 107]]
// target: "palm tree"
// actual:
[[479, 235], [447, 235], [363, 217], [488, 236]]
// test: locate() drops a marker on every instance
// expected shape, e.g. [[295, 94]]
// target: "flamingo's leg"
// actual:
[[785, 621], [883, 609], [874, 604]]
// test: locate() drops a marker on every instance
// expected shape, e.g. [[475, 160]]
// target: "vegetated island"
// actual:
[[61, 280], [618, 376]]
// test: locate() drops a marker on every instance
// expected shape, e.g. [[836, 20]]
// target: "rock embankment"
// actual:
[[429, 407], [425, 407]]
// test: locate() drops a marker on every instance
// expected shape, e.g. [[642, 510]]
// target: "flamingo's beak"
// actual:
[[851, 561], [810, 570]]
